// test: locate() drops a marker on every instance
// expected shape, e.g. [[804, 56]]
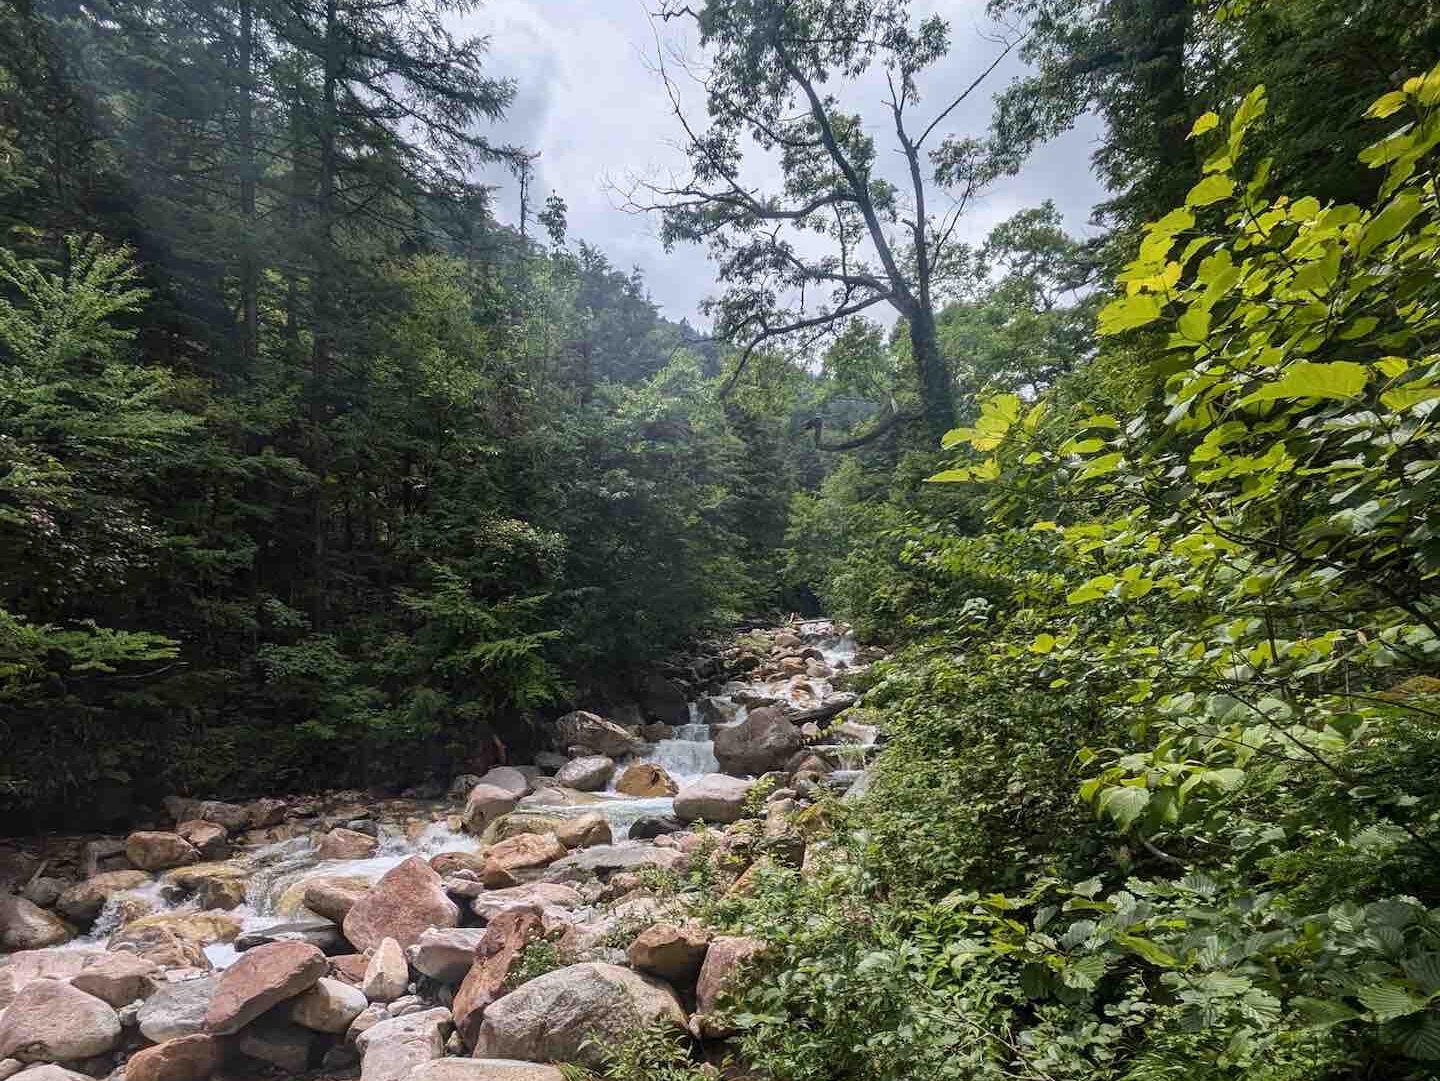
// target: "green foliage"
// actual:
[[656, 1052]]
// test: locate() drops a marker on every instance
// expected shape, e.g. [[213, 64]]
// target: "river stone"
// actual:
[[646, 780], [582, 728], [50, 1021], [496, 953], [388, 974], [665, 701], [391, 1049], [343, 844], [672, 953], [277, 1042], [588, 829], [570, 1014], [51, 1072], [727, 953], [333, 898], [528, 850], [265, 812], [177, 1009], [507, 777], [20, 969], [44, 891], [402, 905], [329, 1006], [648, 827], [24, 925], [210, 839], [485, 804], [155, 850], [186, 1058], [545, 894], [485, 1069], [763, 741], [215, 885], [260, 979], [448, 863], [230, 815], [605, 860], [117, 978], [317, 931], [445, 953], [588, 774], [714, 798]]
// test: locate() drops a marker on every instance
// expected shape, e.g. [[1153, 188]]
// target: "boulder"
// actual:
[[593, 732], [589, 774], [266, 812], [646, 780], [153, 850], [24, 925], [724, 958], [549, 761], [349, 968], [51, 1072], [763, 741], [260, 979], [494, 876], [665, 701], [490, 904], [652, 826], [50, 1021], [343, 844], [570, 1014], [406, 901], [329, 1006], [186, 1058], [44, 891], [278, 1043], [117, 978], [485, 1069], [526, 851], [210, 839], [315, 931], [102, 855], [495, 954], [485, 804], [605, 860], [333, 898], [230, 815], [214, 885], [445, 954], [589, 829], [177, 1009], [673, 953], [714, 798], [20, 969], [447, 863], [387, 976], [717, 711], [390, 1050], [507, 777]]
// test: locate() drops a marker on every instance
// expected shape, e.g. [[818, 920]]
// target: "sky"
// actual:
[[589, 101]]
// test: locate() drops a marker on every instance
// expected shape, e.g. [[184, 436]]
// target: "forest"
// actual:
[[1109, 562]]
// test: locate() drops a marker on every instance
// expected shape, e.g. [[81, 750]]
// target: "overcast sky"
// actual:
[[589, 101]]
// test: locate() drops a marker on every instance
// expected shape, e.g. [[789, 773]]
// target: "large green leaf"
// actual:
[[1340, 379]]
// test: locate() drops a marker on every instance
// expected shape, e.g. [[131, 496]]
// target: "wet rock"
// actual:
[[116, 978], [50, 1021], [343, 844], [485, 804], [570, 1014], [485, 1069], [278, 1043], [589, 774], [713, 798], [24, 925], [445, 954], [210, 839], [84, 900], [717, 711], [763, 741], [177, 1009], [263, 813], [646, 780], [402, 905], [44, 891], [526, 851], [673, 953], [447, 863], [103, 855], [665, 701], [230, 815], [153, 850], [495, 955], [490, 904], [214, 885], [591, 731], [723, 961], [262, 978], [652, 826], [388, 974], [392, 1049], [316, 931], [584, 831], [333, 898], [186, 1058], [509, 778], [656, 731]]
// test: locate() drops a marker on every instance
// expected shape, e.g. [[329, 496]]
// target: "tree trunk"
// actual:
[[937, 395]]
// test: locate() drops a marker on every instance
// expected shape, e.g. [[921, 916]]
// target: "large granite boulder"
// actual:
[[329, 1006], [50, 1021], [262, 978], [484, 1069], [525, 851], [495, 954], [593, 732], [762, 742], [714, 798], [388, 973], [509, 778], [723, 961], [84, 900], [588, 829], [445, 953], [407, 900], [672, 952], [569, 1014], [177, 1009], [646, 780], [117, 978], [392, 1049], [485, 804], [186, 1058], [588, 774], [24, 925], [346, 844], [155, 850], [491, 903]]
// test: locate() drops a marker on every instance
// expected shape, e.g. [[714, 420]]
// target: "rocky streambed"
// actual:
[[519, 922]]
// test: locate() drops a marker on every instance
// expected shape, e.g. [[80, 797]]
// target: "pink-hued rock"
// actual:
[[50, 1021], [84, 900], [723, 960], [188, 1058], [674, 953], [154, 850], [343, 844], [525, 851], [584, 831], [262, 978], [407, 901], [497, 952], [485, 804], [118, 978], [645, 779], [24, 925], [388, 974]]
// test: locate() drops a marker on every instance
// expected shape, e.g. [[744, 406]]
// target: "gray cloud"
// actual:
[[589, 101]]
